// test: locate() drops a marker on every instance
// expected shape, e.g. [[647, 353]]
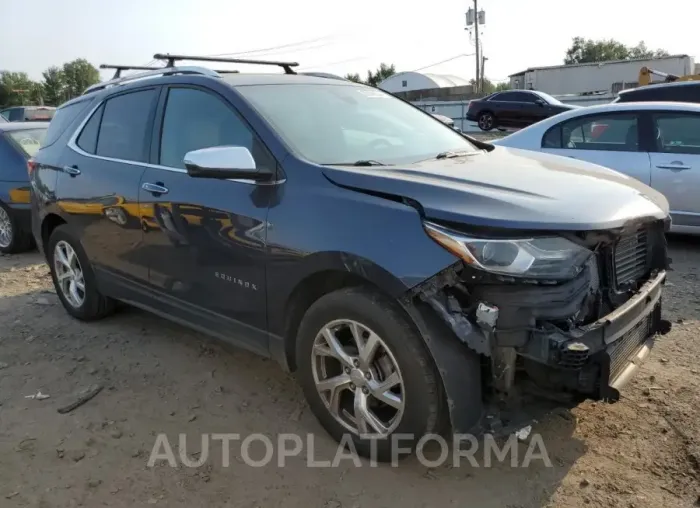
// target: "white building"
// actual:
[[410, 81], [590, 77]]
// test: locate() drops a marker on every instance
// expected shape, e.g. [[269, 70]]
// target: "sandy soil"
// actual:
[[161, 378]]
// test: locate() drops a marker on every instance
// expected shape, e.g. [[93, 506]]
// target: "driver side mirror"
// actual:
[[540, 102], [224, 162]]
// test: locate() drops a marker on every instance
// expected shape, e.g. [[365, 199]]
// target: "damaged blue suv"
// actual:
[[416, 280]]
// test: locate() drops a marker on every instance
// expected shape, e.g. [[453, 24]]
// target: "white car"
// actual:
[[655, 142]]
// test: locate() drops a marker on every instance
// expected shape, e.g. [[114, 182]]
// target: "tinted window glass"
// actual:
[[16, 115], [677, 133], [88, 137], [689, 93], [343, 123], [601, 132], [124, 127], [28, 140], [63, 117], [506, 97], [552, 138], [195, 119], [4, 115]]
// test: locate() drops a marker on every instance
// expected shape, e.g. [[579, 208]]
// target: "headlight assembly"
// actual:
[[545, 258]]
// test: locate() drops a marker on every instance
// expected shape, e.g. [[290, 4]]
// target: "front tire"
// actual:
[[486, 121], [13, 239], [74, 278], [366, 372]]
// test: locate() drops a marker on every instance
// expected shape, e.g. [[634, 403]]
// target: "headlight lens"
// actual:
[[546, 258]]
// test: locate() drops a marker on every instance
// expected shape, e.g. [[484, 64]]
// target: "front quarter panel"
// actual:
[[317, 226]]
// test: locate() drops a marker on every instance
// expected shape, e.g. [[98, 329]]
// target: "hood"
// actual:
[[511, 188]]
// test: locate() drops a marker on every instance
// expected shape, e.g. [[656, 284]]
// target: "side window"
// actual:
[[552, 138], [527, 97], [196, 119], [62, 119], [677, 133], [16, 115], [689, 93], [5, 113], [507, 97], [123, 131], [88, 137], [617, 133]]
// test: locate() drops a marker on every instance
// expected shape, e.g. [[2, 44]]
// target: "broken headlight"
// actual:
[[547, 258]]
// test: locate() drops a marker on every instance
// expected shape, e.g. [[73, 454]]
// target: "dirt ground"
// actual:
[[161, 378]]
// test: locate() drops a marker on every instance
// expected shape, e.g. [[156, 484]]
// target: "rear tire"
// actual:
[[13, 239], [74, 278], [389, 350], [486, 121]]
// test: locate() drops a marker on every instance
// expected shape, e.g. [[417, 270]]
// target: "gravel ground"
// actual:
[[161, 378]]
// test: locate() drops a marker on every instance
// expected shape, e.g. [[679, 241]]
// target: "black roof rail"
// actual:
[[171, 59], [160, 71], [120, 68]]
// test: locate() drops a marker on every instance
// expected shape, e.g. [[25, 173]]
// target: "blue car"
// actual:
[[18, 142], [415, 279]]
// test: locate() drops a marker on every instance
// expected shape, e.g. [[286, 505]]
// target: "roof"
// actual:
[[595, 64], [20, 126], [662, 85], [244, 79], [440, 80]]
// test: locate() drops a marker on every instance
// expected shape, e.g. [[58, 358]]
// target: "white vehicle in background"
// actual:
[[657, 143]]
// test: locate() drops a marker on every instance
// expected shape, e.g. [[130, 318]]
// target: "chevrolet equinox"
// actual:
[[415, 279]]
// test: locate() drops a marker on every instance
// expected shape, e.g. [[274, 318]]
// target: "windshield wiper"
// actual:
[[450, 154], [362, 162]]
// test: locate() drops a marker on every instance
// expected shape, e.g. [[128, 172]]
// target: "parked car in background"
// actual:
[[680, 91], [658, 143], [412, 277], [18, 142], [28, 113], [514, 108], [447, 121]]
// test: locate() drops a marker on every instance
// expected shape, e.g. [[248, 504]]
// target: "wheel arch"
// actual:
[[48, 224], [323, 274]]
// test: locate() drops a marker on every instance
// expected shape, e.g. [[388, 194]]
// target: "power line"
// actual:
[[330, 64], [444, 61], [273, 48]]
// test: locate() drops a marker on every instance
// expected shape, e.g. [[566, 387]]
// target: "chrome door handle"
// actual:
[[154, 188], [674, 166], [71, 170]]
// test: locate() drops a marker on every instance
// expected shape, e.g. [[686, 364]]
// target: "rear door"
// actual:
[[99, 184], [507, 108], [607, 139], [675, 163]]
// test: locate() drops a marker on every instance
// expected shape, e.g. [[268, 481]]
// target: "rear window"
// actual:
[[62, 118], [39, 114], [29, 140]]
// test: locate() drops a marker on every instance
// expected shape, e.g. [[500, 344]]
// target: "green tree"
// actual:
[[354, 77], [78, 75], [385, 71], [53, 86], [589, 50], [16, 89]]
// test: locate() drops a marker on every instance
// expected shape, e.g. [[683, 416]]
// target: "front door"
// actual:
[[675, 161], [99, 183], [206, 238], [606, 139]]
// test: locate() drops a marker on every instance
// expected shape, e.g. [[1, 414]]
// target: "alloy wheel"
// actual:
[[358, 378], [69, 274], [486, 122], [5, 228]]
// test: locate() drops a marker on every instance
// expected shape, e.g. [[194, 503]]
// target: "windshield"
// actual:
[[28, 140], [343, 124], [548, 98]]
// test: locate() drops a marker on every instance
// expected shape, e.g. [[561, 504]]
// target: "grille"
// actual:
[[623, 348], [631, 257]]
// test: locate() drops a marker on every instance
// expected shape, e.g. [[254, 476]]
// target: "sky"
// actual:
[[336, 37]]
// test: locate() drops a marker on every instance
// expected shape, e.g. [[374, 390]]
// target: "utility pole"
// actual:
[[478, 53], [476, 18]]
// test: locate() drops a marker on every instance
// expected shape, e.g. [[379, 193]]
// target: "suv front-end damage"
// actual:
[[557, 318]]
